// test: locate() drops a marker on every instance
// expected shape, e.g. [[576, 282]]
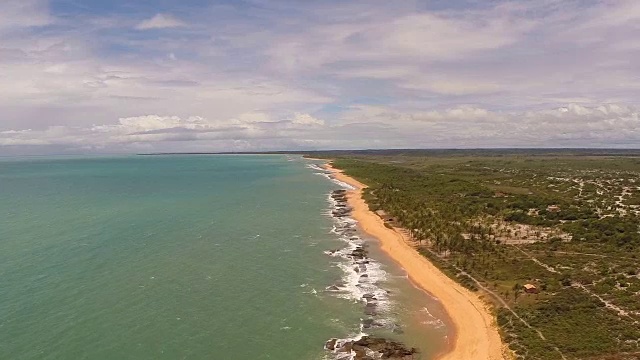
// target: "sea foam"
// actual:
[[363, 277]]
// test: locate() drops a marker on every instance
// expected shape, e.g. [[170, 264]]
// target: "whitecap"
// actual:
[[342, 184], [362, 278], [315, 167]]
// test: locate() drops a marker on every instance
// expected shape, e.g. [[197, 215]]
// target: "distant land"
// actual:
[[429, 152]]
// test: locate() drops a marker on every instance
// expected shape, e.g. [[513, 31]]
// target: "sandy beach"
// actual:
[[476, 335]]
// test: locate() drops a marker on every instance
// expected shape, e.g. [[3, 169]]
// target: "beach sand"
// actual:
[[476, 334]]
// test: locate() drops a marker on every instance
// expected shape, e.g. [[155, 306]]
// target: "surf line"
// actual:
[[361, 283]]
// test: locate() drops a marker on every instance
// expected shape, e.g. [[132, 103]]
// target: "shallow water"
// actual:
[[190, 257]]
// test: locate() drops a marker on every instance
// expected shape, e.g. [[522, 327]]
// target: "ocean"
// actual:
[[189, 257]]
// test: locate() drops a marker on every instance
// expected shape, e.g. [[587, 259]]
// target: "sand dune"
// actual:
[[477, 336]]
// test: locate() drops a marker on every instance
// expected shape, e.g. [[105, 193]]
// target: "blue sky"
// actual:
[[85, 76]]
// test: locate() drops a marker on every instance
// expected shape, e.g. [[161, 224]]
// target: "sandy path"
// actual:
[[477, 336]]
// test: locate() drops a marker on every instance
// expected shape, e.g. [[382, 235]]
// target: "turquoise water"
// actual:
[[167, 257]]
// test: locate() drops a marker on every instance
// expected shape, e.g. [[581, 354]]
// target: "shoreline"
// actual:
[[475, 334]]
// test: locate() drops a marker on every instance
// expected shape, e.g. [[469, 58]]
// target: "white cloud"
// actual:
[[450, 86], [410, 38], [520, 54], [364, 127], [322, 74], [160, 21], [147, 123], [253, 117], [24, 14], [157, 128], [306, 119], [461, 113]]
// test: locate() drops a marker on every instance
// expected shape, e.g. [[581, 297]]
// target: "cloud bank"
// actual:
[[284, 75], [361, 127]]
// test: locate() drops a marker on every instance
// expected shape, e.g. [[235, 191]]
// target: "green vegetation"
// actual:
[[566, 222]]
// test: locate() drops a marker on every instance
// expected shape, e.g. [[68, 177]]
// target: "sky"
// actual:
[[121, 76]]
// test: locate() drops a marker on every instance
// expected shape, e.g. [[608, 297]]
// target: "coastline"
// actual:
[[475, 332]]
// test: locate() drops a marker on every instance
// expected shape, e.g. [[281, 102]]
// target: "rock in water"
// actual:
[[330, 344], [370, 309], [369, 348]]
